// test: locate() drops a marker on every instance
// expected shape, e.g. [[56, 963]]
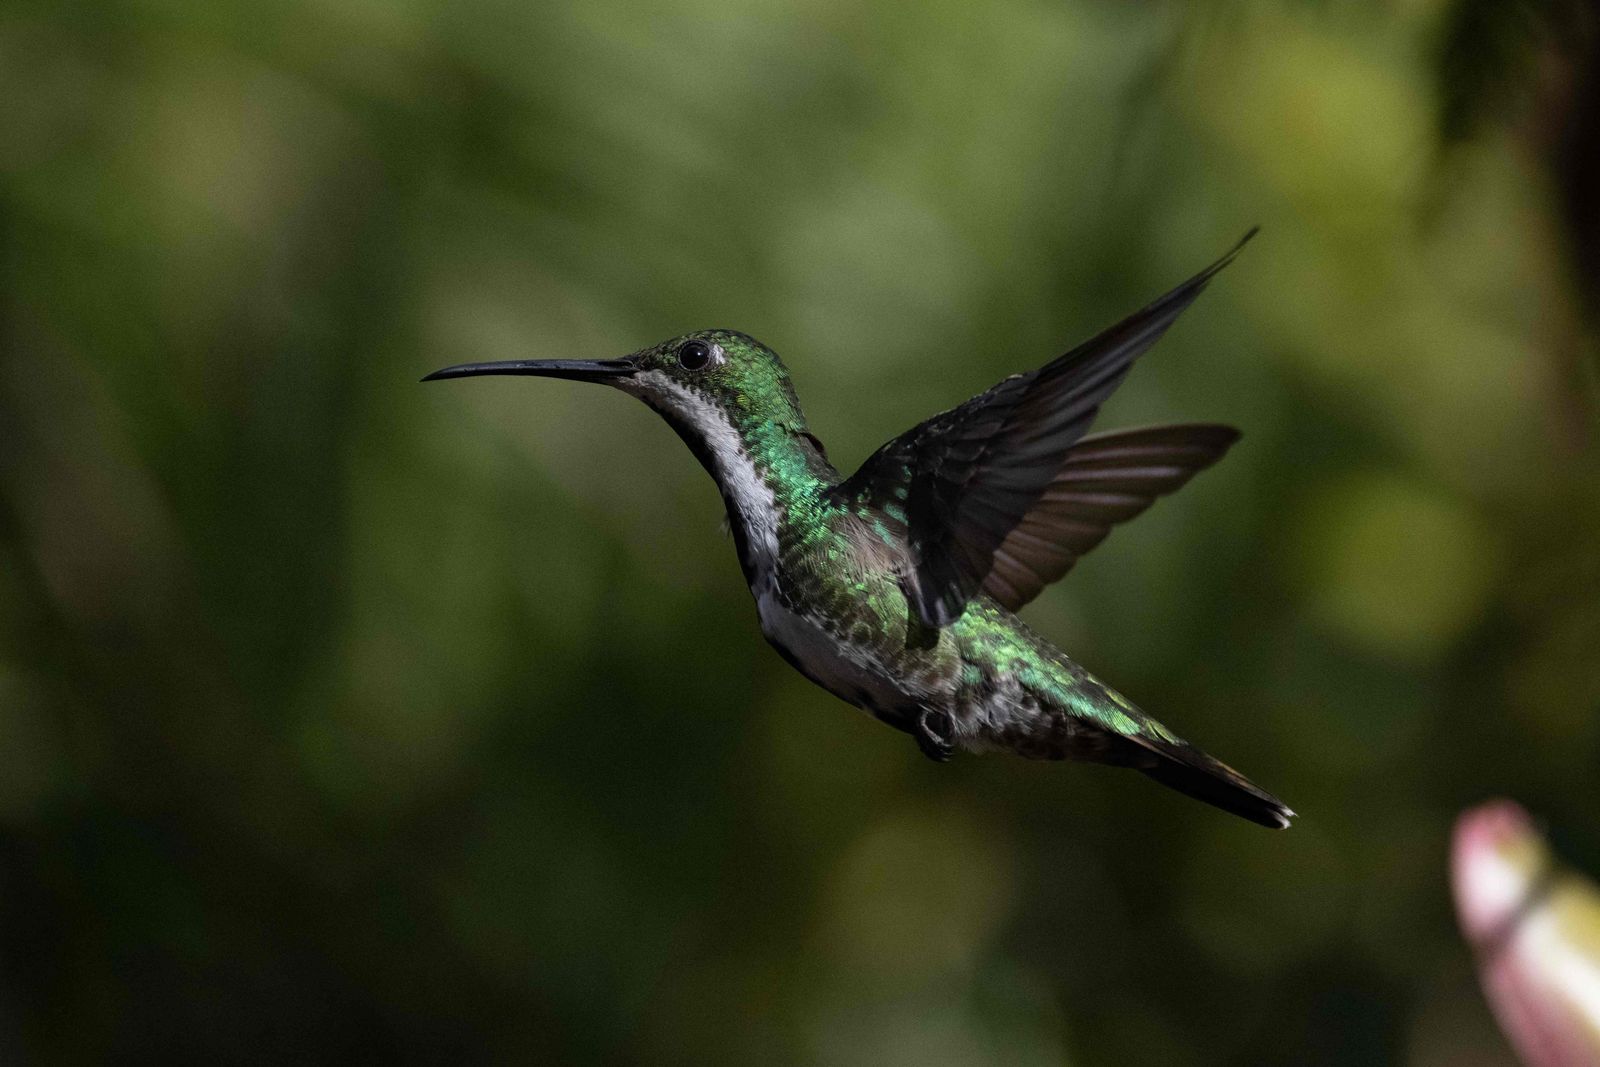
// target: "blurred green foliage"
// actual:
[[342, 717]]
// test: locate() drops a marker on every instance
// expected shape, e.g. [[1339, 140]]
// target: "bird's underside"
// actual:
[[987, 683]]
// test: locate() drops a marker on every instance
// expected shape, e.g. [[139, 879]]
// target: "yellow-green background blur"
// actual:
[[344, 718]]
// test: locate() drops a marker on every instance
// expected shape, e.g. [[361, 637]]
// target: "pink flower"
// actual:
[[1535, 929]]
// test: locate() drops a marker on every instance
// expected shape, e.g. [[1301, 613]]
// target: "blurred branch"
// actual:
[[1532, 64]]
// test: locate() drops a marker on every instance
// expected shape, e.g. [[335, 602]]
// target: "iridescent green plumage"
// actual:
[[896, 588]]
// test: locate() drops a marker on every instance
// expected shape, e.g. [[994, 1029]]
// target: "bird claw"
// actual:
[[935, 735]]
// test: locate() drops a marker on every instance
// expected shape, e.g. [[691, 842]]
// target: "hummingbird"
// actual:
[[896, 589]]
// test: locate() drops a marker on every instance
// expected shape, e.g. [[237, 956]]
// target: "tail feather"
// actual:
[[1193, 773]]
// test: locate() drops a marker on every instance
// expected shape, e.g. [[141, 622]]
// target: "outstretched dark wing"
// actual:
[[1105, 479], [964, 479]]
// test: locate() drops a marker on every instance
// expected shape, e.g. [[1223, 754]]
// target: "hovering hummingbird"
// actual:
[[895, 588]]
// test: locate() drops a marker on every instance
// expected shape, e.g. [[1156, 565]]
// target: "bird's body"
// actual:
[[825, 574], [895, 589]]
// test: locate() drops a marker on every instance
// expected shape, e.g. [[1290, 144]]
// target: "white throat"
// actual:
[[751, 504]]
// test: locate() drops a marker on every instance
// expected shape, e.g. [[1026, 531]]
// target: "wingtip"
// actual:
[[1217, 434], [1175, 300], [1229, 256]]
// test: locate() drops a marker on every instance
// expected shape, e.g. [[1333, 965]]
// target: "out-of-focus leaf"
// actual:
[[1535, 928]]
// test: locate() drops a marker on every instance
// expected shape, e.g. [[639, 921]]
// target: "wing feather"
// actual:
[[966, 479], [1105, 480]]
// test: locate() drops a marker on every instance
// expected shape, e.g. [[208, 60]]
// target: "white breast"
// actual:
[[849, 673]]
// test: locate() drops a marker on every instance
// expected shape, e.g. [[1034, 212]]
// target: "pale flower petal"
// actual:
[[1535, 929]]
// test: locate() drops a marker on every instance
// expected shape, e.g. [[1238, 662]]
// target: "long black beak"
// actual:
[[578, 370]]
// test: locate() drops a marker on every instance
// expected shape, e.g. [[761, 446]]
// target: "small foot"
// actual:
[[935, 735]]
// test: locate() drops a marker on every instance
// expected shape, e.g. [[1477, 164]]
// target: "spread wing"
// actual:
[[962, 481], [1105, 479]]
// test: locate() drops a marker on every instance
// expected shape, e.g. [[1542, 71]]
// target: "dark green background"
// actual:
[[347, 718]]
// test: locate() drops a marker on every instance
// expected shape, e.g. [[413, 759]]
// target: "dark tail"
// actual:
[[1192, 772]]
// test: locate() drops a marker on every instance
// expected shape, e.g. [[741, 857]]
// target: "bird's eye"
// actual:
[[693, 355]]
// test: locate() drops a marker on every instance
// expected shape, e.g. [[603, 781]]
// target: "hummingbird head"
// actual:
[[729, 398], [704, 383]]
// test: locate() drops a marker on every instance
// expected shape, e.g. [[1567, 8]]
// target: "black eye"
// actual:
[[692, 355]]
